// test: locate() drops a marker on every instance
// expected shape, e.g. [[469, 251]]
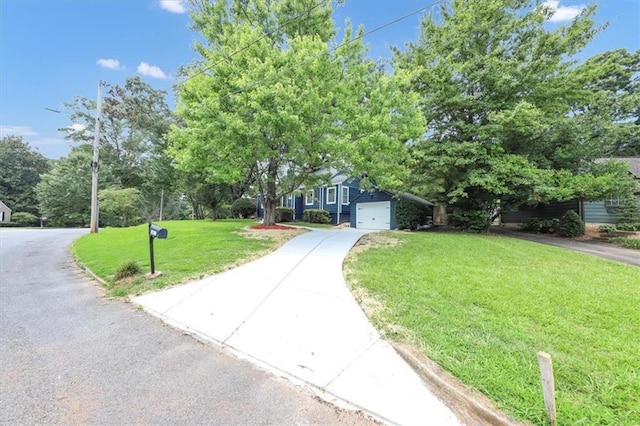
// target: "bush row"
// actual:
[[632, 243], [632, 227], [570, 225]]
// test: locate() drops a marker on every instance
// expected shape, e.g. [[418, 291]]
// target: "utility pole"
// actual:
[[94, 165]]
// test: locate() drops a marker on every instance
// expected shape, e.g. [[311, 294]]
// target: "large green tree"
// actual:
[[20, 170], [135, 121], [64, 193], [272, 102], [611, 116], [503, 98]]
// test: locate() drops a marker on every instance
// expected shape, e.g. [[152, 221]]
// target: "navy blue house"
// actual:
[[347, 203]]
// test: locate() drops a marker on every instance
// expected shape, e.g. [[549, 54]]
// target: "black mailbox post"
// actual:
[[155, 231]]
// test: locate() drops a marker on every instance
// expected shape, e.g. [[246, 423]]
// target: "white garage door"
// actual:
[[373, 215]]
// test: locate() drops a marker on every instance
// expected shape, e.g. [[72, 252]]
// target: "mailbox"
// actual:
[[157, 231]]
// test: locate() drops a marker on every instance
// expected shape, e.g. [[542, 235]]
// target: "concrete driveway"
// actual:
[[291, 312]]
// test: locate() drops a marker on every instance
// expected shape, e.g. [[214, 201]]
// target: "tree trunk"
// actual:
[[269, 211], [270, 197]]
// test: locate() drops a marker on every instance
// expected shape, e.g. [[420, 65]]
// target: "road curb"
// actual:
[[469, 406]]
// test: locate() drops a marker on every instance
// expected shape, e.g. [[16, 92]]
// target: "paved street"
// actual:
[[68, 355]]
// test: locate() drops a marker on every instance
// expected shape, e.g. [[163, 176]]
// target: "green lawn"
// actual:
[[192, 249], [483, 306]]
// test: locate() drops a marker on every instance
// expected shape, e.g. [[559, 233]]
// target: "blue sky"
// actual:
[[53, 50]]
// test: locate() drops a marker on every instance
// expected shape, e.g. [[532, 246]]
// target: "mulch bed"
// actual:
[[281, 227]]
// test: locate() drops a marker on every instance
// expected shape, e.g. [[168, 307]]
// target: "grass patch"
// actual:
[[193, 249], [483, 306]]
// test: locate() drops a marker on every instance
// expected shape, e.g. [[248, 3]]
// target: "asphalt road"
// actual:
[[68, 355]]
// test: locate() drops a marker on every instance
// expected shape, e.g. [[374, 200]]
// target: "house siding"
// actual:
[[5, 212], [373, 197], [553, 210], [598, 212]]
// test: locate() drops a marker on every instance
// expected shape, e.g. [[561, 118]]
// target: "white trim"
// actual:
[[306, 197], [343, 202], [335, 195]]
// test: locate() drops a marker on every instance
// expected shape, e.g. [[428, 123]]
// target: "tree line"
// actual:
[[487, 109]]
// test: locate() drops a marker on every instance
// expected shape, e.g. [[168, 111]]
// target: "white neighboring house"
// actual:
[[5, 212]]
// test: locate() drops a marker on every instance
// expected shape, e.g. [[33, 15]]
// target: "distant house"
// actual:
[[347, 203], [5, 212], [603, 211]]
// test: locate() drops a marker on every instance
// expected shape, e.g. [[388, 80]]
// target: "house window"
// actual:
[[308, 198], [345, 195], [331, 195]]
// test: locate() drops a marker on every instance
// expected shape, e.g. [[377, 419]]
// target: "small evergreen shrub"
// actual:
[[284, 214], [8, 225], [629, 211], [243, 208], [25, 219], [411, 214], [128, 269], [316, 216], [571, 225]]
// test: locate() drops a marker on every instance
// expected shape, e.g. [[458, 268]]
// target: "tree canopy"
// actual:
[[20, 170], [271, 102], [506, 106]]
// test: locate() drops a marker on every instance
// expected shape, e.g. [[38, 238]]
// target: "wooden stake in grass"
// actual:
[[548, 385]]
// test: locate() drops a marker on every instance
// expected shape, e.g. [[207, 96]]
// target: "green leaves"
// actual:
[[272, 98], [508, 112], [20, 170]]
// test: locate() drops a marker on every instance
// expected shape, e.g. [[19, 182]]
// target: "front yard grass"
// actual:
[[193, 249], [483, 306]]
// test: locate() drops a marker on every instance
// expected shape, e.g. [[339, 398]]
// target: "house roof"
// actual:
[[6, 206], [633, 164]]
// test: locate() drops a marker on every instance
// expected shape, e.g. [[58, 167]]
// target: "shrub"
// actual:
[[470, 220], [629, 211], [128, 269], [544, 226], [8, 225], [284, 214], [316, 216], [571, 225], [411, 214], [242, 208], [628, 227], [632, 243], [533, 225], [25, 219], [224, 211], [607, 228]]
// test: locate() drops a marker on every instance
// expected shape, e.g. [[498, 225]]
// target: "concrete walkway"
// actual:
[[291, 312], [603, 250]]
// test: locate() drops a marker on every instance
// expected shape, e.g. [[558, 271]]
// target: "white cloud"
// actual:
[[151, 70], [77, 127], [16, 131], [173, 6], [112, 64], [562, 13]]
